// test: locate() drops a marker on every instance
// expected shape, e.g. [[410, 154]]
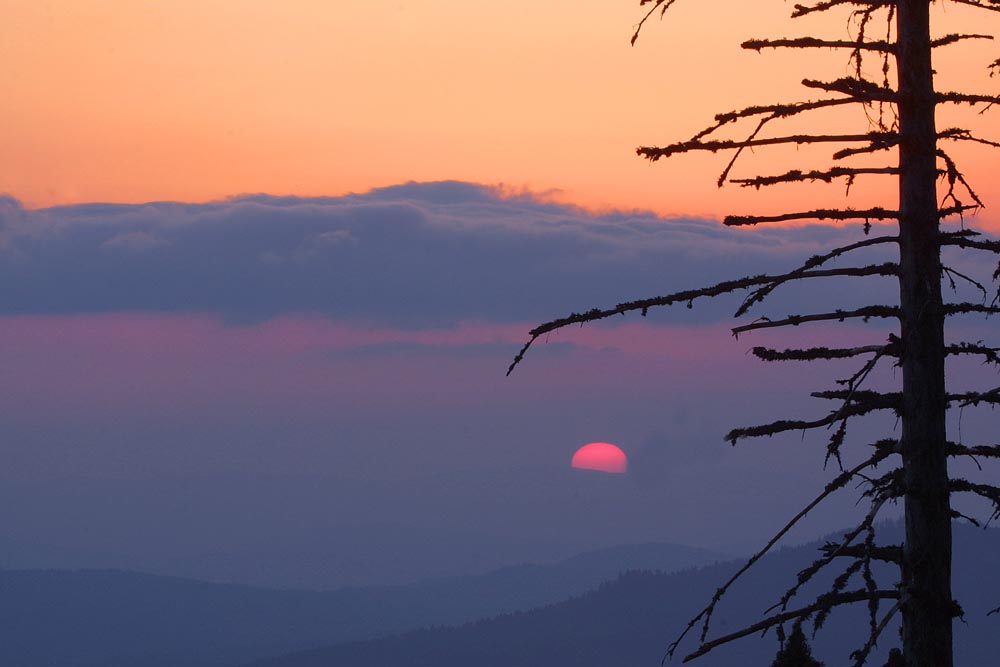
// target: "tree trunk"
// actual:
[[927, 608]]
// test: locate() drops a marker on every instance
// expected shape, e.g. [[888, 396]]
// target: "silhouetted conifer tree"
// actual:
[[895, 659], [795, 651], [901, 120]]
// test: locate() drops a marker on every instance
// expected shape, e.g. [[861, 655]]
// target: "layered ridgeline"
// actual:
[[118, 619], [631, 620], [107, 618]]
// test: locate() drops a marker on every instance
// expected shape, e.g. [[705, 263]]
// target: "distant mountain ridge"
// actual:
[[107, 618], [630, 621]]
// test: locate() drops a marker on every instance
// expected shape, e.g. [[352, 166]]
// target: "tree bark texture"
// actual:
[[927, 607]]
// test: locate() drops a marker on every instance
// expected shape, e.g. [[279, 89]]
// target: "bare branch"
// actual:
[[953, 238], [816, 353], [986, 491], [662, 5], [990, 5], [863, 150], [758, 295], [775, 110], [818, 214], [952, 274], [966, 308], [974, 398], [961, 134], [991, 354], [686, 296], [859, 89], [786, 425], [966, 98], [890, 554], [654, 153], [822, 603], [952, 39], [839, 316], [802, 10], [814, 43], [954, 177], [985, 451], [814, 261], [827, 176], [739, 151], [841, 480], [832, 551], [872, 399], [861, 655]]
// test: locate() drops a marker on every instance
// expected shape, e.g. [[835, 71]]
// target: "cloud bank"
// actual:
[[414, 255]]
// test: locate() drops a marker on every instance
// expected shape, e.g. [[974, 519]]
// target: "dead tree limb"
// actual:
[[903, 115]]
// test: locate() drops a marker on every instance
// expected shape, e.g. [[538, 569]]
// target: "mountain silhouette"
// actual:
[[631, 620], [107, 618]]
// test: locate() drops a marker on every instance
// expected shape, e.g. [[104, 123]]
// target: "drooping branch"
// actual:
[[686, 296], [861, 656], [961, 134], [834, 253], [855, 88], [827, 176], [873, 399], [876, 213], [815, 43], [990, 354], [785, 425], [974, 398], [739, 151], [662, 5], [816, 260], [775, 110], [985, 491], [823, 603], [870, 94], [951, 274], [802, 10], [838, 586], [984, 451], [957, 37], [966, 98], [865, 312], [967, 308], [989, 5], [955, 177], [883, 449], [761, 293], [654, 153], [832, 551], [853, 395], [863, 17], [816, 353], [888, 554], [962, 240], [845, 153]]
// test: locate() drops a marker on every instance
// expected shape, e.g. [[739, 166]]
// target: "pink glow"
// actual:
[[178, 364], [602, 456]]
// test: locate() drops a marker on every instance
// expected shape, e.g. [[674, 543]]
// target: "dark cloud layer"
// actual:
[[409, 255]]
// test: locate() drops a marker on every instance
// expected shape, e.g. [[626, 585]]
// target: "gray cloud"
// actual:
[[410, 255]]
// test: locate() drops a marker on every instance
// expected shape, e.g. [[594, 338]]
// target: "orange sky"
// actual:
[[135, 100]]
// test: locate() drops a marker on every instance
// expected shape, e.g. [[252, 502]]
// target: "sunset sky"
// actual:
[[302, 239], [139, 100]]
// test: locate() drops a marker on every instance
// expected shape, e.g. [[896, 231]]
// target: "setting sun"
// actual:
[[602, 456]]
